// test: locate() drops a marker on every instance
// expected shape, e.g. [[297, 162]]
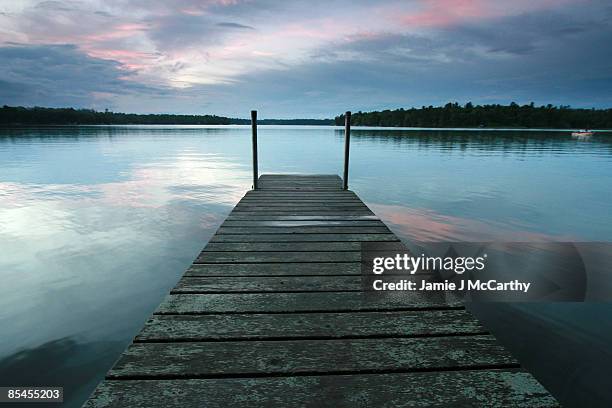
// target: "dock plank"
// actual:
[[308, 223], [275, 269], [301, 199], [191, 284], [295, 204], [301, 302], [359, 237], [301, 207], [283, 246], [219, 359], [306, 212], [302, 230], [309, 325], [493, 388], [251, 217], [277, 256]]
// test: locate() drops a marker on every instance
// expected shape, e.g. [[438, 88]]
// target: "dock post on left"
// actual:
[[254, 134]]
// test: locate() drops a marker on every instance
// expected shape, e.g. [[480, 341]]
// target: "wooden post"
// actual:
[[347, 144], [254, 131]]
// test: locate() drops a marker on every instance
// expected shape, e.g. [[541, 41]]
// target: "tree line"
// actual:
[[469, 115], [19, 115], [449, 115]]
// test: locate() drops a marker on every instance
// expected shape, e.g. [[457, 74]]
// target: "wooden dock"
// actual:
[[272, 313]]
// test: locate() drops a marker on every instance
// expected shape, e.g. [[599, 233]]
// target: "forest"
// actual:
[[469, 115], [19, 115], [449, 115]]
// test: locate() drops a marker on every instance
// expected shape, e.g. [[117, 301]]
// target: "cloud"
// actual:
[[313, 59], [447, 13], [235, 25], [61, 75]]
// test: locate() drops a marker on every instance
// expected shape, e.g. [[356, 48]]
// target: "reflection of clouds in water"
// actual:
[[423, 225], [199, 176], [154, 185], [56, 240], [13, 195]]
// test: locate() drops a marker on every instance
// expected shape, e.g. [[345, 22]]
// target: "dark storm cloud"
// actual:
[[54, 6], [61, 75], [235, 25]]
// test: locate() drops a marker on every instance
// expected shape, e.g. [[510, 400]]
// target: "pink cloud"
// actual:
[[129, 60], [118, 32], [445, 13]]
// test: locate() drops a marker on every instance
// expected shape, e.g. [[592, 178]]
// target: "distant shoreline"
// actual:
[[355, 127], [450, 116]]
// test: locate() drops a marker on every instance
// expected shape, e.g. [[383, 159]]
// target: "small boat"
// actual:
[[582, 133]]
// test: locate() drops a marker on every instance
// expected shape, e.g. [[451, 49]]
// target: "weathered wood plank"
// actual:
[[309, 211], [282, 213], [262, 192], [300, 175], [191, 284], [318, 208], [276, 257], [303, 230], [215, 359], [304, 238], [301, 203], [300, 183], [283, 246], [309, 325], [305, 199], [295, 178], [298, 188], [324, 223], [293, 204], [287, 284], [491, 388], [314, 177], [292, 178], [278, 269], [240, 217], [302, 302], [314, 195], [339, 190]]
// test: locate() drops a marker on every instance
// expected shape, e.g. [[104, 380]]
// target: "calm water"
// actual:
[[98, 223]]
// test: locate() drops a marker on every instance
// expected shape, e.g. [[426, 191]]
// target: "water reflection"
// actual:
[[97, 223], [65, 362], [488, 142], [565, 345], [422, 225]]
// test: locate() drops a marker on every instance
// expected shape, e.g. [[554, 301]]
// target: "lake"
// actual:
[[98, 223]]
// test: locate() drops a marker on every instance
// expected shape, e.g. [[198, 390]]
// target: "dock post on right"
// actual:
[[347, 144]]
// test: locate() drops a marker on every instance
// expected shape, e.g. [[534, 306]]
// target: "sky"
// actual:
[[303, 58]]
